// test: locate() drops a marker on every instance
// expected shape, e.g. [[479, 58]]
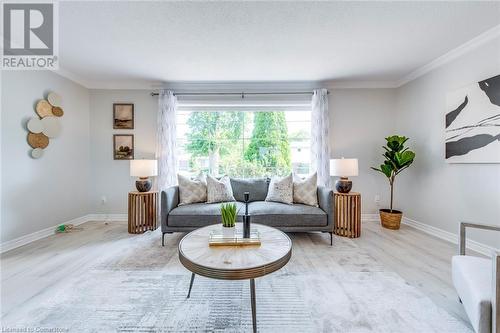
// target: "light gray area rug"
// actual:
[[142, 287]]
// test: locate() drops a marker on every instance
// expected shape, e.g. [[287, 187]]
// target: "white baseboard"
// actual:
[[370, 218], [449, 236], [436, 232], [445, 235], [23, 240], [108, 217]]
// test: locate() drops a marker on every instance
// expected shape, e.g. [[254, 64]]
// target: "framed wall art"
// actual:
[[123, 146], [123, 116], [472, 124]]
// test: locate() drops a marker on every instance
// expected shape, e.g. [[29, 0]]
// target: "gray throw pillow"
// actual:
[[192, 190], [281, 190], [219, 190], [305, 191], [256, 187]]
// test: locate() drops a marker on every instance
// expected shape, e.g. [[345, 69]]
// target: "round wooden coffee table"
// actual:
[[235, 262]]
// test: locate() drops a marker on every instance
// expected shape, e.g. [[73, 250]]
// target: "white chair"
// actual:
[[477, 281]]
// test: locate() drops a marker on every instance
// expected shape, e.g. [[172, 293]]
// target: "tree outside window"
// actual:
[[244, 144]]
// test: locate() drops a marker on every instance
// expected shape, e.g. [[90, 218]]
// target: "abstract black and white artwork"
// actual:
[[473, 123]]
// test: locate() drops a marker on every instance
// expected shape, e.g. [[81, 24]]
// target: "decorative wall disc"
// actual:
[[43, 108], [51, 127], [57, 111], [54, 99], [35, 125], [37, 153], [38, 140]]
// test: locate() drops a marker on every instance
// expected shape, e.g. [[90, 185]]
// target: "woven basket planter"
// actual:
[[390, 220]]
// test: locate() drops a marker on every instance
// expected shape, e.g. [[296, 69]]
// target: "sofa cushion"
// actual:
[[192, 190], [277, 214], [472, 278], [199, 214], [256, 187], [219, 190], [281, 190], [305, 191]]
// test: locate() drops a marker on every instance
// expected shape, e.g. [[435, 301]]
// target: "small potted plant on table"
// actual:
[[397, 158], [228, 213]]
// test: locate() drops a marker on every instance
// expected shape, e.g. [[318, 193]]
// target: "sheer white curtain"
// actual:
[[320, 142], [166, 140]]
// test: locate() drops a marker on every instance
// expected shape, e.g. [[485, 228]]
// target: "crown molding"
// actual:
[[451, 55], [221, 86], [286, 85], [249, 86], [73, 77], [360, 84], [124, 85], [273, 85], [106, 85]]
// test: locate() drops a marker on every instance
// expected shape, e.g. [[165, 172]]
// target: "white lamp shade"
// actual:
[[344, 167], [143, 168]]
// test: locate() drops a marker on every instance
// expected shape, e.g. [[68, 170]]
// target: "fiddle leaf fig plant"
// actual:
[[397, 158]]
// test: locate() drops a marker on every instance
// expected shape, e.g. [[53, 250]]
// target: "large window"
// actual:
[[244, 143]]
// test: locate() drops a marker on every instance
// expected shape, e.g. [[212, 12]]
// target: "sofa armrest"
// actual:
[[463, 237], [169, 200], [495, 257], [325, 201], [495, 299]]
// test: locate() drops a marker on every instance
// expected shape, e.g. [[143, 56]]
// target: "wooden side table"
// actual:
[[347, 214], [142, 210]]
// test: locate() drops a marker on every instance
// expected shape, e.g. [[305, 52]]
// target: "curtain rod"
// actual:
[[242, 94]]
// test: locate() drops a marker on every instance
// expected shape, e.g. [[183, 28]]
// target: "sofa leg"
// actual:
[[163, 239]]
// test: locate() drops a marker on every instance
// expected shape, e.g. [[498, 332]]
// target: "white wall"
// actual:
[[111, 178], [432, 191], [68, 183], [37, 194], [360, 120]]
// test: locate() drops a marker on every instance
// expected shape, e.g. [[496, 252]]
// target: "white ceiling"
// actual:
[[103, 44]]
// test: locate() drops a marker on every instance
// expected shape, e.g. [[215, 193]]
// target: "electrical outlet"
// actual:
[[377, 199]]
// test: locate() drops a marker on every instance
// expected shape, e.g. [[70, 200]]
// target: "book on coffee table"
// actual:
[[216, 238]]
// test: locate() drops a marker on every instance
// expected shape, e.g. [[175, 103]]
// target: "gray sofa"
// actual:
[[289, 218]]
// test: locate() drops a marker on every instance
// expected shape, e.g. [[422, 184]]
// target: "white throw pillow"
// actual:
[[219, 190], [305, 191], [281, 190], [192, 190]]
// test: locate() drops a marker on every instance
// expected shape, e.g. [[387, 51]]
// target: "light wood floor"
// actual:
[[29, 271], [422, 260]]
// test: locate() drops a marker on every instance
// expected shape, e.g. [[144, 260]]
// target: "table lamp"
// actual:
[[143, 169], [343, 168]]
